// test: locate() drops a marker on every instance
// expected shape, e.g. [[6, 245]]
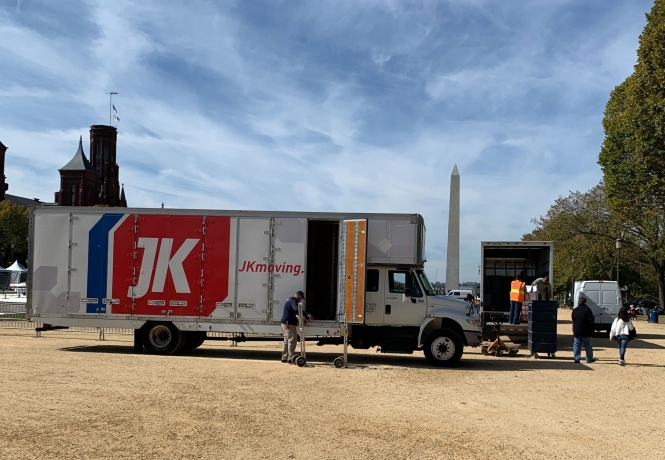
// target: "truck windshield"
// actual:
[[425, 282]]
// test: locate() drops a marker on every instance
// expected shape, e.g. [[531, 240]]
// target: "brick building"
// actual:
[[93, 182], [3, 183]]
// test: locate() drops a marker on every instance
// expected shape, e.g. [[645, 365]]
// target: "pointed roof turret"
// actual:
[[79, 162], [455, 171], [123, 200]]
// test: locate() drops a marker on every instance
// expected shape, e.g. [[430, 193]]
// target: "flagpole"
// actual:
[[110, 106]]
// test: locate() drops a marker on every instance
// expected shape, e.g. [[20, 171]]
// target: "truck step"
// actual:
[[395, 350]]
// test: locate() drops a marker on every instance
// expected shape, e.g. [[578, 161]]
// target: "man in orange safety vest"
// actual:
[[517, 297]]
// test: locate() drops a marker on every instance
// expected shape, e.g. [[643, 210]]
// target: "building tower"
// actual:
[[123, 199], [94, 182], [3, 185], [78, 181], [103, 141], [452, 262]]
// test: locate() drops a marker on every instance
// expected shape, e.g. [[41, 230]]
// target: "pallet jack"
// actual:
[[499, 347], [341, 361]]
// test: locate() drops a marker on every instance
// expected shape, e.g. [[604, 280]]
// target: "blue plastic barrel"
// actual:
[[653, 316]]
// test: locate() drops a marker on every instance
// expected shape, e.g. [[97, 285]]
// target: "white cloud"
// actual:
[[379, 58]]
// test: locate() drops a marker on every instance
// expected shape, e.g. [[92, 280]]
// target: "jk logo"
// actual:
[[165, 264]]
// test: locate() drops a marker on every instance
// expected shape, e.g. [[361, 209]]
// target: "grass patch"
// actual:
[[12, 315]]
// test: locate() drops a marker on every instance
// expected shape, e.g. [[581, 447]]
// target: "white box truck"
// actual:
[[500, 262], [174, 275], [604, 299]]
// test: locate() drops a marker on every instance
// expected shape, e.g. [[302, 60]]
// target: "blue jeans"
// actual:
[[623, 340], [515, 310], [577, 348]]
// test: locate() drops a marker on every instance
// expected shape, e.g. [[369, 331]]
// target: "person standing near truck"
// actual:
[[290, 325], [621, 331], [583, 327], [517, 295], [543, 288]]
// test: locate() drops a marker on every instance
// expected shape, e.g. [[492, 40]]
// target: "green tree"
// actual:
[[13, 229], [582, 226], [633, 153]]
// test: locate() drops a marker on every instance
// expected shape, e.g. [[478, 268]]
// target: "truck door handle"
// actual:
[[387, 309]]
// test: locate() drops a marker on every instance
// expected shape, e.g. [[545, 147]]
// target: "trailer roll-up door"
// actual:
[[353, 255]]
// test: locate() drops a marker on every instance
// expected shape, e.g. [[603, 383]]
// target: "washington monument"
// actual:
[[452, 264]]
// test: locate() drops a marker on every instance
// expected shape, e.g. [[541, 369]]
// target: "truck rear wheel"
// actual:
[[443, 348], [162, 338]]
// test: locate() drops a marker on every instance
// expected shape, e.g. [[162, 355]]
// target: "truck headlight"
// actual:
[[473, 322]]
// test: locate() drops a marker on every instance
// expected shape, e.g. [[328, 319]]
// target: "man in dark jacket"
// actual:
[[290, 325], [583, 327]]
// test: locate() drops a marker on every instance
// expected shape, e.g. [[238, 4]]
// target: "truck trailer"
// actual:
[[500, 262], [175, 275]]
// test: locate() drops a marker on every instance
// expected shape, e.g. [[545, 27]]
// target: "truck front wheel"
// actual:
[[443, 348], [161, 338]]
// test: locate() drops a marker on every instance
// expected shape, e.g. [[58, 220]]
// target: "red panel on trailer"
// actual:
[[215, 263], [166, 274]]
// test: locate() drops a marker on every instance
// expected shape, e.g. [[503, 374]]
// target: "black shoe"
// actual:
[[576, 362], [284, 361]]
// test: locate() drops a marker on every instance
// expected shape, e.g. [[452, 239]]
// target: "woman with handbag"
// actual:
[[623, 331]]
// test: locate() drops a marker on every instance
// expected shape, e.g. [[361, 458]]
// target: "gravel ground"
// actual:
[[67, 395]]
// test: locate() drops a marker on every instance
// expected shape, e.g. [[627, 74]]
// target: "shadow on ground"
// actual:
[[522, 362]]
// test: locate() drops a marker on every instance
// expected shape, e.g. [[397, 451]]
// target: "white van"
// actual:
[[604, 299], [460, 293]]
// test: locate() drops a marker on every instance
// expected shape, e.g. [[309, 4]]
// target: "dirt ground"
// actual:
[[68, 395]]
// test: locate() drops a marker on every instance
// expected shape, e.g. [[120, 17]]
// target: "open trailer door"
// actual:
[[353, 264]]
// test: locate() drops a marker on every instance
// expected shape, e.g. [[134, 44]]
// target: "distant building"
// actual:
[[13, 199], [470, 285], [3, 185], [93, 182], [439, 287], [25, 202]]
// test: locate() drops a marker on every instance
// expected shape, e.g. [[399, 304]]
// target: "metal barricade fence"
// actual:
[[12, 316]]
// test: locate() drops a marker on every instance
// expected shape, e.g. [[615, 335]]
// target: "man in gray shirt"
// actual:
[[543, 288]]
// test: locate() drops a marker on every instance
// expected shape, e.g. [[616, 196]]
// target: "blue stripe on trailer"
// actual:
[[98, 252]]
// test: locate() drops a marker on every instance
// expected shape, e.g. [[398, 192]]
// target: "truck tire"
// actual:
[[192, 341], [162, 338], [443, 348]]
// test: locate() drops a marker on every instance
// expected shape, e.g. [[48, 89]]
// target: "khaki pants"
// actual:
[[290, 340]]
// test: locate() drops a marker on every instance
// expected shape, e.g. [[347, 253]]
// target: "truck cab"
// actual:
[[403, 314]]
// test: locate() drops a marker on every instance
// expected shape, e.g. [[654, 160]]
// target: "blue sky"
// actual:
[[359, 106]]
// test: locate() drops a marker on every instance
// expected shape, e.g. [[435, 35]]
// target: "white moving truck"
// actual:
[[500, 262], [174, 275], [460, 293], [604, 299]]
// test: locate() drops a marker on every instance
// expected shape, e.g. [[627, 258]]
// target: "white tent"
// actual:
[[16, 267], [16, 270]]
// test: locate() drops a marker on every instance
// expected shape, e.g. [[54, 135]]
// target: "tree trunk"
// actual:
[[660, 272]]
